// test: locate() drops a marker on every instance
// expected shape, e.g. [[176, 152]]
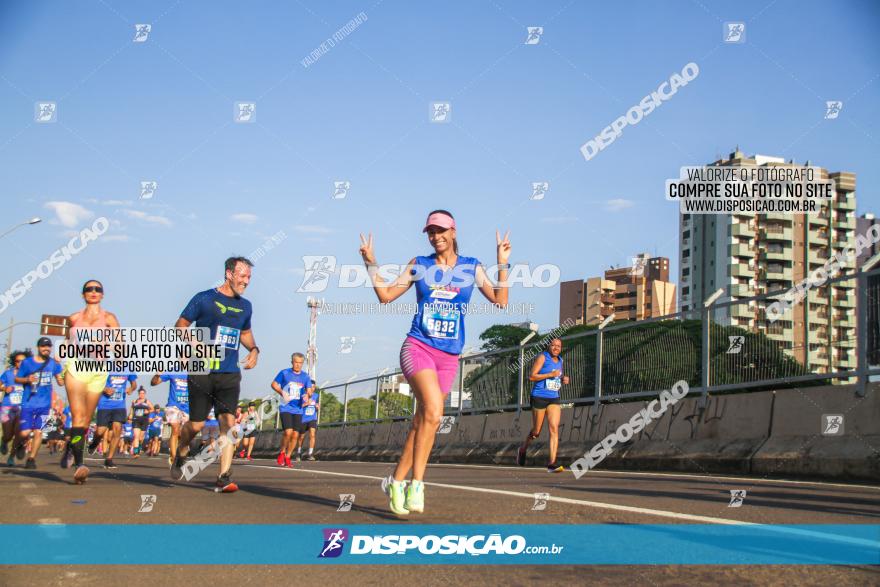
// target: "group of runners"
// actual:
[[444, 282]]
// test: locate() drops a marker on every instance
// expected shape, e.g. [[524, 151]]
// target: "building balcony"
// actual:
[[742, 229], [775, 233], [741, 250], [844, 320], [846, 223], [777, 335], [820, 236], [740, 290], [742, 310], [778, 217], [741, 270], [776, 272], [783, 255], [844, 301], [818, 219], [847, 203]]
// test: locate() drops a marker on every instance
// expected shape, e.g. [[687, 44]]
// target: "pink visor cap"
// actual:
[[439, 219]]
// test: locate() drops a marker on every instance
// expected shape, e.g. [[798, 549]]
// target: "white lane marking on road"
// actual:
[[27, 485], [50, 521], [36, 500], [543, 471], [609, 506]]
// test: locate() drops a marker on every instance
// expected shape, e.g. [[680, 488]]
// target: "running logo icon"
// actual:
[[141, 32], [147, 503], [45, 112], [736, 344], [346, 344], [340, 189], [446, 424], [541, 500], [832, 109], [734, 32], [737, 497], [533, 36], [539, 190], [638, 266], [334, 541], [318, 270], [832, 424], [245, 112], [441, 112], [346, 500], [148, 189]]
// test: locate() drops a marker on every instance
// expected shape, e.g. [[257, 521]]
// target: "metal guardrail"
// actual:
[[725, 347]]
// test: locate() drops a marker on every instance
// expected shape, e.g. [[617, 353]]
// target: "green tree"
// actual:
[[393, 404], [502, 336], [331, 408]]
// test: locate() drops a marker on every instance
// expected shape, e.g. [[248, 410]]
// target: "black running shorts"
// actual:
[[214, 390], [541, 403], [106, 417], [292, 421]]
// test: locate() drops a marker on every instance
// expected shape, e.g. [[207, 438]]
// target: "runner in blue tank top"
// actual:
[[429, 357], [548, 379]]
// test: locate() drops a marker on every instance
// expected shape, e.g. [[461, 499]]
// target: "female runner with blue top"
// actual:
[[548, 379], [429, 357]]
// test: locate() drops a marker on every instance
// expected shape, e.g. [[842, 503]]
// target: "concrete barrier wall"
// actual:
[[767, 433]]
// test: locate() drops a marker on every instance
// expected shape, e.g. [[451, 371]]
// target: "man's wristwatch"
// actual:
[[256, 348], [504, 266]]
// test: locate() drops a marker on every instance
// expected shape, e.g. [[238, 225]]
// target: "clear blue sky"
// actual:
[[162, 110]]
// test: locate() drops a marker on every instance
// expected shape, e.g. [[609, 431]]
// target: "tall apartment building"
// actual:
[[629, 293], [750, 254]]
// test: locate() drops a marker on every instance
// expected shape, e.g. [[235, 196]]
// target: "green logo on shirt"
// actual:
[[223, 308]]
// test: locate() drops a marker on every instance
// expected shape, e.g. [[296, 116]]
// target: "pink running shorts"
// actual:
[[416, 355]]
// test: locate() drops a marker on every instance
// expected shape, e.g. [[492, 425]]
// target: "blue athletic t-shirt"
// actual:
[[156, 422], [548, 388], [310, 412], [127, 430], [178, 390], [41, 397], [227, 317], [66, 417], [119, 382], [295, 386], [439, 320], [16, 395]]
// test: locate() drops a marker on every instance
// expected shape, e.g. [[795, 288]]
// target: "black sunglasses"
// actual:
[[93, 288]]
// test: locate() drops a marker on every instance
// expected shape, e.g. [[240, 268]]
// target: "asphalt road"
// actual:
[[463, 494]]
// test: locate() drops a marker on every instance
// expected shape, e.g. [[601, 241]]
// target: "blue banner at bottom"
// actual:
[[517, 544]]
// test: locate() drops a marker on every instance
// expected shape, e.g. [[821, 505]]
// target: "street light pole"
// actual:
[[34, 220], [533, 327]]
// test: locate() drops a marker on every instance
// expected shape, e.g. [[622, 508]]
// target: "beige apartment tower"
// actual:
[[752, 254]]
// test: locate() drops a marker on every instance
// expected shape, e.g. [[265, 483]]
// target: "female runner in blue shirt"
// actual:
[[548, 379], [429, 357]]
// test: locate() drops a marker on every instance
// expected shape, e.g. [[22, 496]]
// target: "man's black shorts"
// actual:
[[141, 423], [214, 390], [294, 421], [107, 417], [540, 403], [310, 424]]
